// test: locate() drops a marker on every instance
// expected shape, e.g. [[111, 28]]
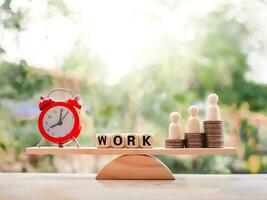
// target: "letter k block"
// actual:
[[146, 140]]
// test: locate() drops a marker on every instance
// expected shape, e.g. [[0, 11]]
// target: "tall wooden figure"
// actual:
[[213, 125], [213, 110]]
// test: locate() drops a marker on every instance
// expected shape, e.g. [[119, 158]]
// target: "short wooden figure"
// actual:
[[146, 140], [117, 140], [193, 123], [213, 110], [131, 140], [103, 140], [175, 126]]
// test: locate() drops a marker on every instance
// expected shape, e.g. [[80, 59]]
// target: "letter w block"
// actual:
[[102, 140]]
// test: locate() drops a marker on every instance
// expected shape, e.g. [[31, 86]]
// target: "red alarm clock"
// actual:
[[59, 121]]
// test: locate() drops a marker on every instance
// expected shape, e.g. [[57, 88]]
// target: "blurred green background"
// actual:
[[134, 62]]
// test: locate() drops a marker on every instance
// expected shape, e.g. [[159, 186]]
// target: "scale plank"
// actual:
[[125, 151]]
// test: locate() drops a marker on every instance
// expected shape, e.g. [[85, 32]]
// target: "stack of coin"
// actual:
[[174, 143], [194, 140], [214, 134]]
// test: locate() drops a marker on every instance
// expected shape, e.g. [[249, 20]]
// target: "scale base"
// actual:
[[135, 167]]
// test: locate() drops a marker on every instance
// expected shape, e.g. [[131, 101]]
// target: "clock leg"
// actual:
[[43, 140], [76, 142]]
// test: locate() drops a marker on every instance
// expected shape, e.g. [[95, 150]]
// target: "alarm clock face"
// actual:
[[58, 121]]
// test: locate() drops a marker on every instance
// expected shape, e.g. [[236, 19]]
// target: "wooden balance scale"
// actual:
[[133, 164]]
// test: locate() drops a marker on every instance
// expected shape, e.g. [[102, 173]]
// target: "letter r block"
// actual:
[[131, 140], [146, 140], [117, 140], [102, 140]]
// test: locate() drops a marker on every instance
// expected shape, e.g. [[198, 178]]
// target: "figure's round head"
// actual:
[[175, 117], [193, 111], [213, 99]]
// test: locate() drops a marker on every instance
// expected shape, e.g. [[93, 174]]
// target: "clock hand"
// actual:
[[60, 120], [56, 124], [64, 116], [60, 115]]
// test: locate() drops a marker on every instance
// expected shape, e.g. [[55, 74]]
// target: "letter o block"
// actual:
[[117, 140], [103, 140], [131, 140], [146, 140]]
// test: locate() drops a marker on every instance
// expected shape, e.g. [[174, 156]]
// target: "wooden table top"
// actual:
[[84, 186]]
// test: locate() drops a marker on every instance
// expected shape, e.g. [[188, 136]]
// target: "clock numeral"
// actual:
[[48, 129], [49, 116]]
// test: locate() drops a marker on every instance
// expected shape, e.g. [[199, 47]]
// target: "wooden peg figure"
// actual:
[[193, 123], [213, 110], [175, 126]]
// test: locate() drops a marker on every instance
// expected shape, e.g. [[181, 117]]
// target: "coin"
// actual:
[[194, 140], [213, 122], [193, 134], [174, 146], [194, 146], [214, 137], [189, 142], [174, 143]]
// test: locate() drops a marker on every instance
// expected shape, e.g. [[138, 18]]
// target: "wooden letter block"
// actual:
[[131, 140], [117, 140], [102, 140], [146, 140]]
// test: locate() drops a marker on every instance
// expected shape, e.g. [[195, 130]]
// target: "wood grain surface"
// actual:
[[129, 151], [84, 186], [135, 167]]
